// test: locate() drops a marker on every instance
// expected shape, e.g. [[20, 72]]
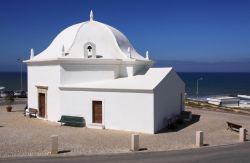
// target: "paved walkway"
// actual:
[[22, 136], [221, 154]]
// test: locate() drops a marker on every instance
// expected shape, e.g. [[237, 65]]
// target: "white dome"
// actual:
[[109, 43]]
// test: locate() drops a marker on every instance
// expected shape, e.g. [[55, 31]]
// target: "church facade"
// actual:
[[91, 70]]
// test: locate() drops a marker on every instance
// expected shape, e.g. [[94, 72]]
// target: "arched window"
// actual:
[[89, 50]]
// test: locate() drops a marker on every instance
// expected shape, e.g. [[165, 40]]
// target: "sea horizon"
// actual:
[[213, 83], [161, 67]]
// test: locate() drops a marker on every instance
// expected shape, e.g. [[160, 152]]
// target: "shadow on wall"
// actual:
[[177, 126]]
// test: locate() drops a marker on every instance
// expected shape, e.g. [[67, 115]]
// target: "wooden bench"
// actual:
[[186, 115], [72, 120], [32, 112], [233, 127]]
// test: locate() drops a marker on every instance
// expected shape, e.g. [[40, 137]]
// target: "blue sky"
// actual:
[[190, 31]]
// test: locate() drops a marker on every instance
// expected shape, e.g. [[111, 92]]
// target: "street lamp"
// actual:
[[21, 73], [197, 87]]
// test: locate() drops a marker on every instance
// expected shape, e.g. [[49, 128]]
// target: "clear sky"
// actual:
[[175, 30]]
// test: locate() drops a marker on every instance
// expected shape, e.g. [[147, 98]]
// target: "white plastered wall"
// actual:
[[131, 70], [121, 110], [167, 99], [71, 74], [47, 76]]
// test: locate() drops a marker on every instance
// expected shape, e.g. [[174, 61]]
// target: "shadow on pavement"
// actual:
[[179, 126], [143, 149], [64, 151]]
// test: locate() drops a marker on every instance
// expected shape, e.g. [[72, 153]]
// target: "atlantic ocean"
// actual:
[[212, 83]]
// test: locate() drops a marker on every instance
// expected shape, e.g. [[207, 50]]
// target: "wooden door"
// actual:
[[41, 99], [97, 111]]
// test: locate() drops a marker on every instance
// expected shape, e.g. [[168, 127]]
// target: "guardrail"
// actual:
[[17, 101]]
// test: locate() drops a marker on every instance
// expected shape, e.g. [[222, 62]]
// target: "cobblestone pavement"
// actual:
[[22, 136]]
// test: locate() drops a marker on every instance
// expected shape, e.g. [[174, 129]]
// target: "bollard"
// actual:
[[199, 138], [134, 142], [242, 135], [54, 144]]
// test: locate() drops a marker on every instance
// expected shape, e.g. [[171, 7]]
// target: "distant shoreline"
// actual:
[[165, 66], [213, 83], [16, 102]]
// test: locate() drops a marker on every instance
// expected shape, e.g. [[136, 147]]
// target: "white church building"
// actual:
[[91, 70]]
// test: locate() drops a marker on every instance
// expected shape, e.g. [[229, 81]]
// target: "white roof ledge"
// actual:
[[145, 83], [69, 88], [89, 61]]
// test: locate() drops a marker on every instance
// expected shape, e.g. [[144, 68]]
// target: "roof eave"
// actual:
[[78, 88], [87, 61]]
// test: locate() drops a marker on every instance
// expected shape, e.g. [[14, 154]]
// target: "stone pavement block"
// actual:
[[54, 144], [199, 138], [135, 142], [242, 135]]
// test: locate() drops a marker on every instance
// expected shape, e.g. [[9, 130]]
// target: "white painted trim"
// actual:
[[96, 126], [74, 40], [97, 61], [41, 118], [115, 41]]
